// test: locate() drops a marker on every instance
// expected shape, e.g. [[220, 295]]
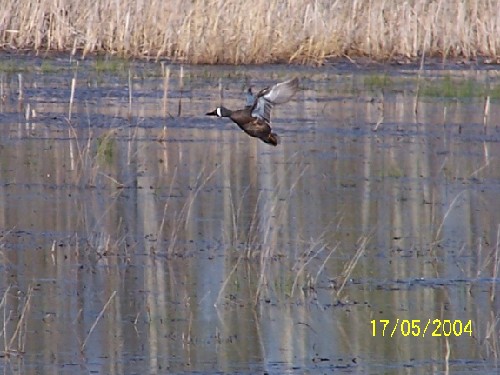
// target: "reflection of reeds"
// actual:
[[231, 31], [182, 218], [263, 249]]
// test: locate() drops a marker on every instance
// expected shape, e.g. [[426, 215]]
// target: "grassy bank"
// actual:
[[235, 31]]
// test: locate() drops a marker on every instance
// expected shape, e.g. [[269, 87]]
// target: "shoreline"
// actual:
[[340, 63]]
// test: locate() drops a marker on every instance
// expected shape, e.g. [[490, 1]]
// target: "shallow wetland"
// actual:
[[140, 236]]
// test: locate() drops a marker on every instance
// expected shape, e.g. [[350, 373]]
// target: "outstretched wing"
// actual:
[[277, 94], [281, 92]]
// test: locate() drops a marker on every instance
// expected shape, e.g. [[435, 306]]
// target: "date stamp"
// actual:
[[421, 328]]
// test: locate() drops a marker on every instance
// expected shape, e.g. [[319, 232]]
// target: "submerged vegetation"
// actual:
[[231, 31], [445, 85], [105, 147]]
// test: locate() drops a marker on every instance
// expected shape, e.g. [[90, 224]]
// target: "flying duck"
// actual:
[[255, 118]]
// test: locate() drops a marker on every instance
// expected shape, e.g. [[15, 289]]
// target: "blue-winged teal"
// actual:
[[255, 118]]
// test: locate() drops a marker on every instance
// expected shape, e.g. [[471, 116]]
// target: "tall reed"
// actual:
[[234, 31]]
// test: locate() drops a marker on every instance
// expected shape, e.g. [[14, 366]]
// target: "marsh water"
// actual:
[[140, 236]]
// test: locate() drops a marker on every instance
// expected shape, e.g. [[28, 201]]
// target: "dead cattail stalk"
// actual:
[[381, 111], [71, 131], [5, 318], [221, 91], [495, 266], [82, 348], [21, 323], [166, 79], [303, 266], [10, 346], [2, 89], [486, 112], [72, 97], [129, 95], [452, 204], [181, 88], [417, 97], [166, 82], [349, 267], [20, 96]]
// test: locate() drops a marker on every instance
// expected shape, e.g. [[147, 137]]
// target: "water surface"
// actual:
[[140, 236]]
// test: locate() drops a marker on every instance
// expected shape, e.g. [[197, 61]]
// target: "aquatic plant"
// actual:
[[111, 65], [48, 67], [105, 147], [377, 81], [447, 87], [12, 66]]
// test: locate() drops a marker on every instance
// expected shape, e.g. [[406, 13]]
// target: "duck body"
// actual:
[[255, 118], [253, 126]]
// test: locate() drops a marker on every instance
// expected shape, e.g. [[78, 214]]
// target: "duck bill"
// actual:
[[213, 113]]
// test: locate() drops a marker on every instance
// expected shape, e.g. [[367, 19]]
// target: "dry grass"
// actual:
[[234, 31], [14, 344], [99, 317]]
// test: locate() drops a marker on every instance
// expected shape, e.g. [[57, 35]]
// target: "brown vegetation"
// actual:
[[234, 31]]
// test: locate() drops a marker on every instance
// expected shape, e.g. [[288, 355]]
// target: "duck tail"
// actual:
[[272, 139]]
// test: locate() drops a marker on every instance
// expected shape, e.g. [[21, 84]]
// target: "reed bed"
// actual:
[[236, 32]]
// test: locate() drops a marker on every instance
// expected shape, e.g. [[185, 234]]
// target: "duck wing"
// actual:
[[281, 92], [262, 109], [277, 94], [250, 98]]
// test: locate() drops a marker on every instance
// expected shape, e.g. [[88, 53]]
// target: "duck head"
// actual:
[[220, 112]]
